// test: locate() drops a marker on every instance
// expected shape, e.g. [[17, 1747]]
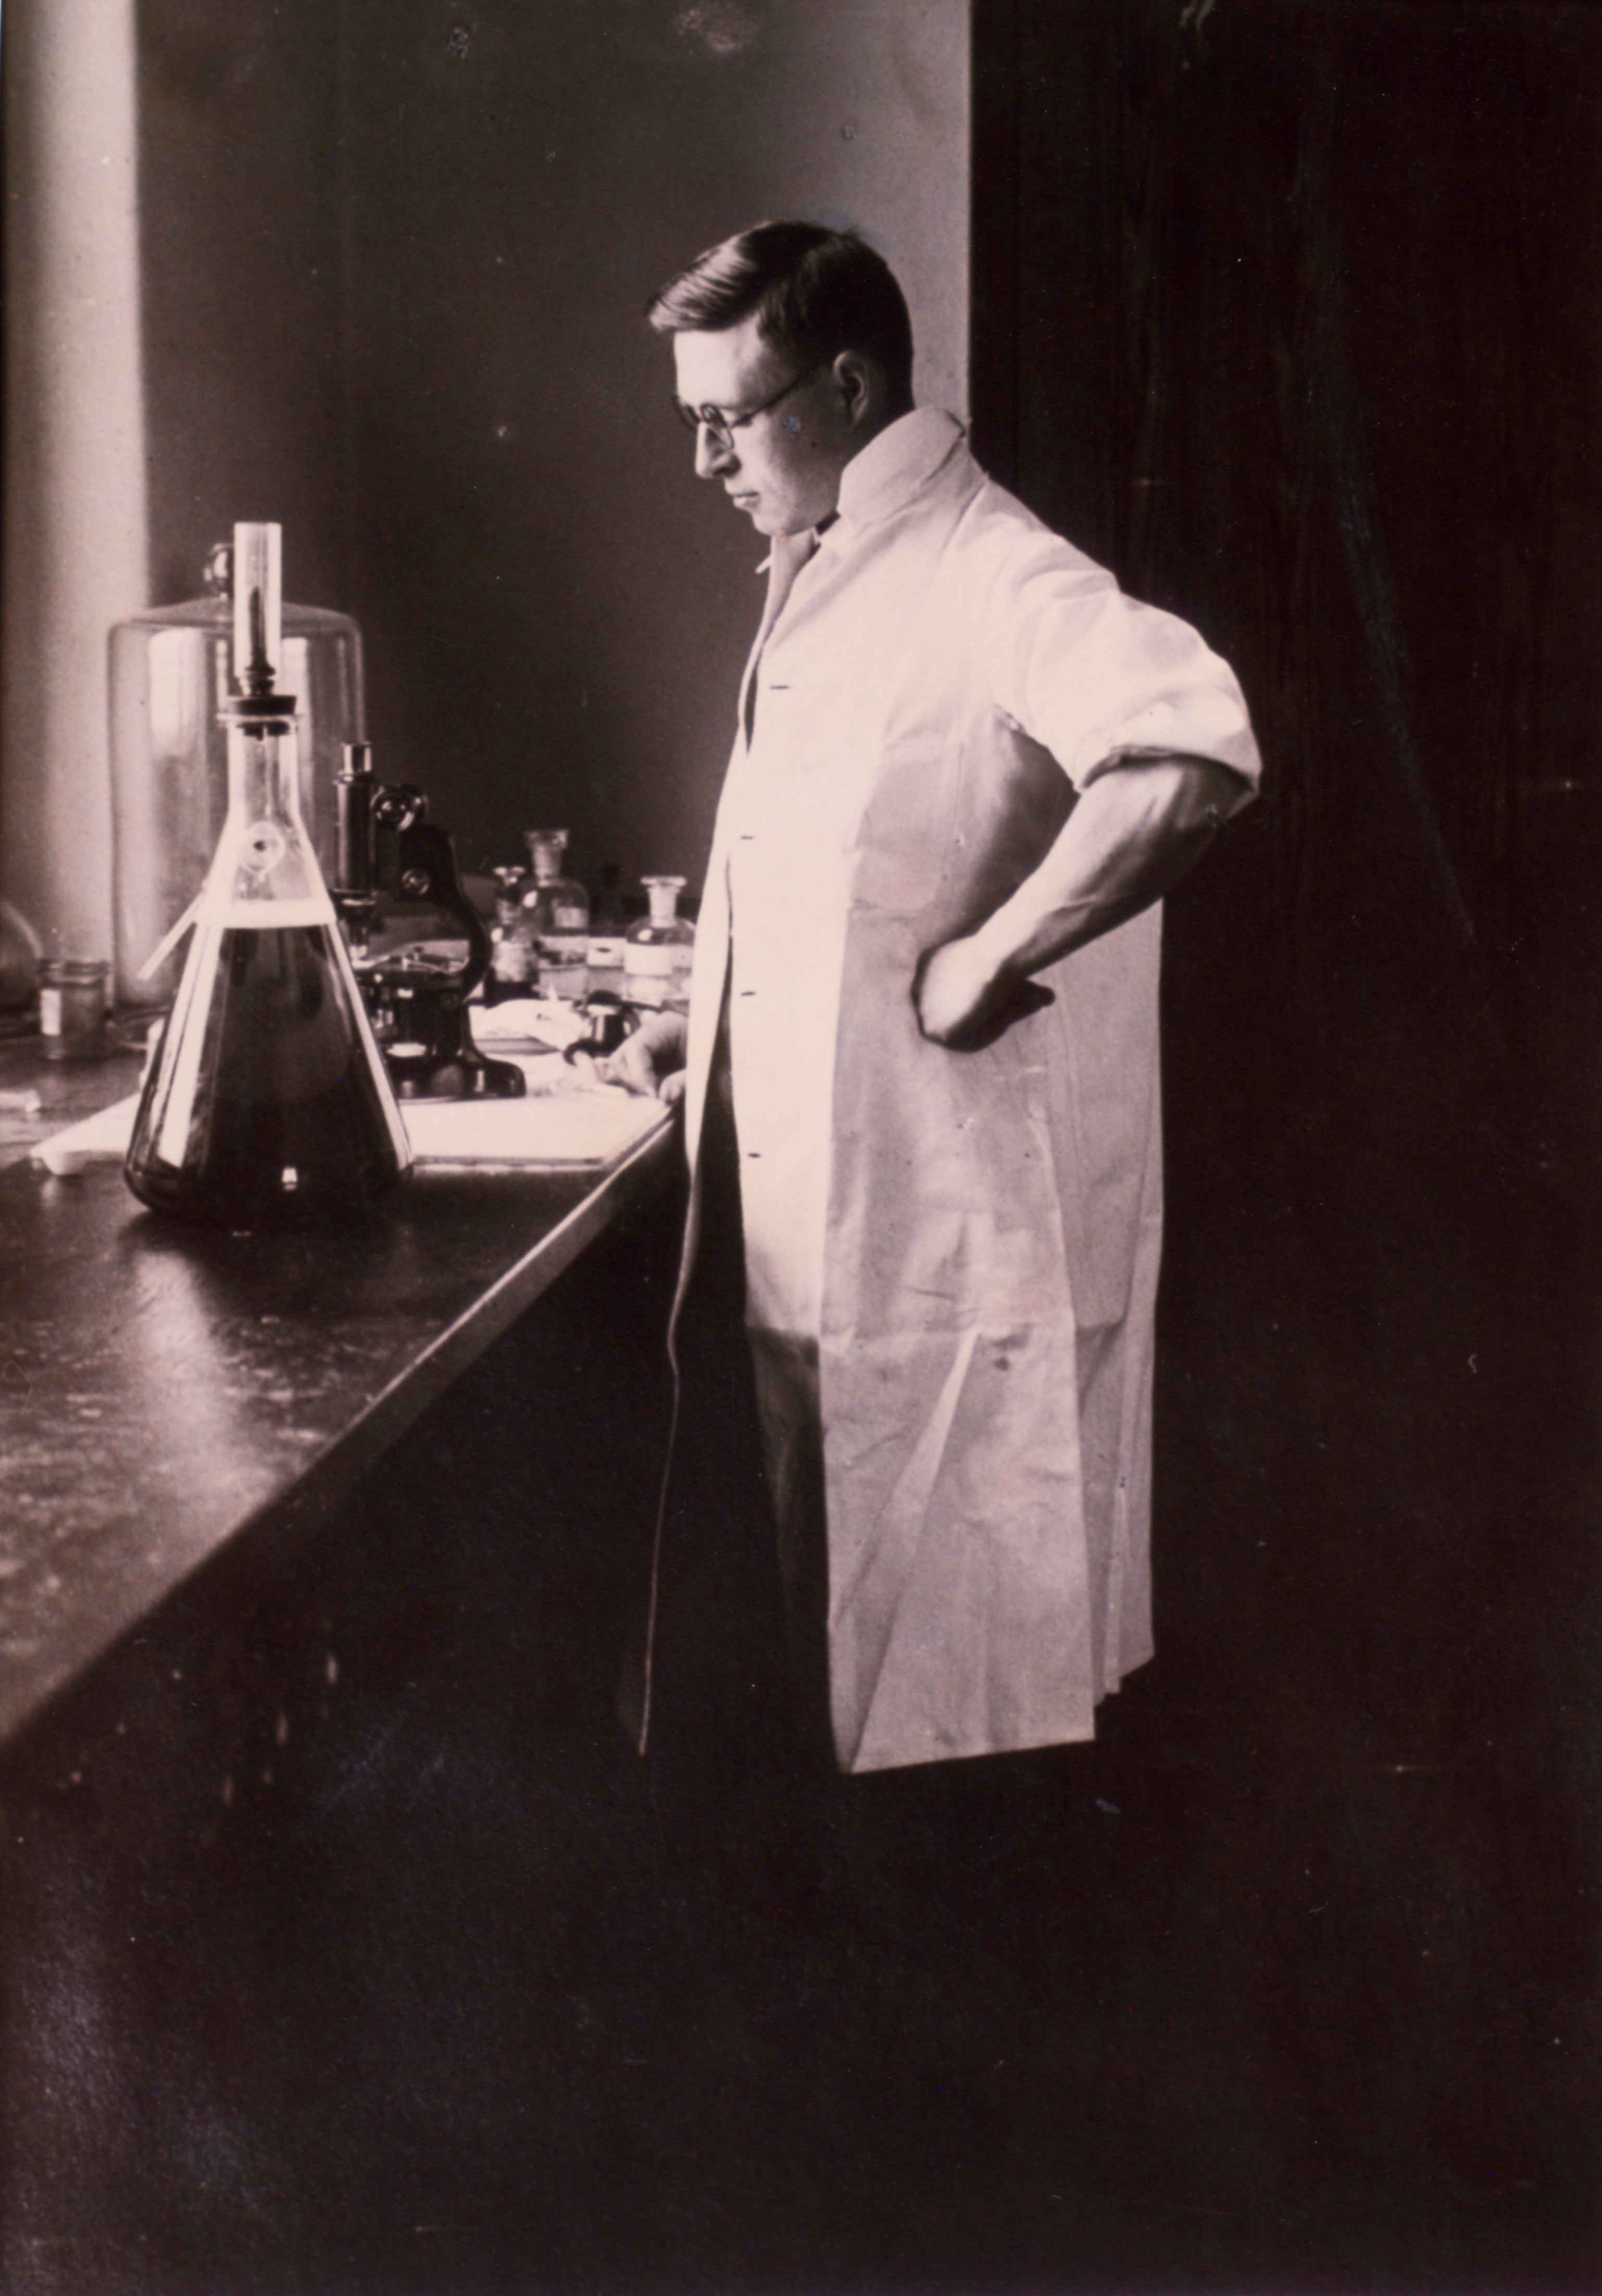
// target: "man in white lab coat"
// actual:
[[966, 769]]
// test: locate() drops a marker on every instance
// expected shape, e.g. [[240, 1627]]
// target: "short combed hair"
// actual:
[[815, 293]]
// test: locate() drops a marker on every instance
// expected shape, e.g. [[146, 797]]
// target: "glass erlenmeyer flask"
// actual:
[[267, 1103]]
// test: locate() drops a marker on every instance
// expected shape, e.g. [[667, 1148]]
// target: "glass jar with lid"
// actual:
[[72, 1007], [659, 948], [556, 908], [169, 678], [511, 969]]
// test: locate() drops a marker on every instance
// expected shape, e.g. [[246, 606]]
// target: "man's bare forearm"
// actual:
[[1132, 834]]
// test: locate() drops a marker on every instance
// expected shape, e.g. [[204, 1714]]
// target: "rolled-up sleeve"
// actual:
[[1098, 679]]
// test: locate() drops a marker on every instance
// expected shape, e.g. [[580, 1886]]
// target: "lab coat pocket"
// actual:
[[903, 839]]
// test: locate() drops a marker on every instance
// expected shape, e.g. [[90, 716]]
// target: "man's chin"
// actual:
[[774, 524]]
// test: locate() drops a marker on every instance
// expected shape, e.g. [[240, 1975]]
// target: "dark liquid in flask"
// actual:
[[288, 1126]]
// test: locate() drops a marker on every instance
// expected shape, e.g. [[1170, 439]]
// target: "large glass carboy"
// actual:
[[267, 1103]]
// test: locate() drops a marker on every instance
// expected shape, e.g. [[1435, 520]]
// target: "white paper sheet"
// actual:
[[592, 1128]]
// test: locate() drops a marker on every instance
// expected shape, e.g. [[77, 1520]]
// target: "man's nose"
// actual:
[[712, 456]]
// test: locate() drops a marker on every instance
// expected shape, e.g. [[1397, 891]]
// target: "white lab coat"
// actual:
[[958, 1251]]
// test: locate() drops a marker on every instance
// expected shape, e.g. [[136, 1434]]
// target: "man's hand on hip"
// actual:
[[961, 1004]]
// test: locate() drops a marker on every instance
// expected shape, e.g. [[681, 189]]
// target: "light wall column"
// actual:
[[75, 539]]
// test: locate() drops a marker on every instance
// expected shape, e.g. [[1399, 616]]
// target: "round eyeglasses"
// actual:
[[721, 424]]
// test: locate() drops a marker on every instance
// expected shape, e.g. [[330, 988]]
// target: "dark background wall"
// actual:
[[1289, 309], [397, 258], [1319, 371]]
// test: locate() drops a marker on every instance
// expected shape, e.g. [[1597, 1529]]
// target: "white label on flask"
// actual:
[[50, 1012], [656, 961]]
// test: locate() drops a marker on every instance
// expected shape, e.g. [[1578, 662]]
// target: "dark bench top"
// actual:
[[167, 1392]]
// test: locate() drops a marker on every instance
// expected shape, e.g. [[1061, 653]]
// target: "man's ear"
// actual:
[[860, 382]]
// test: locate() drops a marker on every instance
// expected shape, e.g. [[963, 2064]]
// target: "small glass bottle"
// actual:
[[72, 1007], [660, 949], [512, 967], [557, 909], [267, 1103]]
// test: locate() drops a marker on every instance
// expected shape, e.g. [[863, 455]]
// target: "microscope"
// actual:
[[391, 858]]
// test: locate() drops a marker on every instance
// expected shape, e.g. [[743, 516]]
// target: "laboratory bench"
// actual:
[[181, 1408], [320, 1554]]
